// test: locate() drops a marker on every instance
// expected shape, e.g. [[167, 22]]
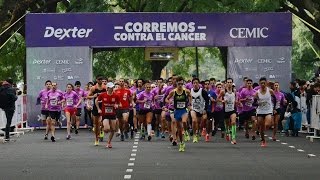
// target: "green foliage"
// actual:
[[12, 57], [125, 62], [303, 58]]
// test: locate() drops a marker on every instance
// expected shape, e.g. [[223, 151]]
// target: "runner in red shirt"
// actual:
[[109, 104], [124, 108]]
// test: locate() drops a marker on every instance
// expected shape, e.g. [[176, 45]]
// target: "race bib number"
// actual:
[[230, 105], [53, 102], [181, 105], [69, 102], [109, 110], [264, 105], [147, 105], [160, 98]]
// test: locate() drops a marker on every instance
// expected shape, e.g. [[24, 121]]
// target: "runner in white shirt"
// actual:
[[265, 107]]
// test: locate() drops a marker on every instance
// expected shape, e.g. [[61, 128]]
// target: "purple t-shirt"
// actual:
[[218, 105], [279, 99], [167, 92], [43, 95], [159, 101], [189, 85], [54, 97], [71, 99], [249, 94], [239, 108], [149, 103], [81, 94]]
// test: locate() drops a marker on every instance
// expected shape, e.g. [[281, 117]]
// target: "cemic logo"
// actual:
[[264, 61], [61, 33], [258, 32]]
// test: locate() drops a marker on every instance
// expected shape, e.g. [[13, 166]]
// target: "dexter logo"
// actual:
[[62, 33]]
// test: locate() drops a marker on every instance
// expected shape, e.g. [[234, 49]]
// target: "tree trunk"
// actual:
[[156, 67], [224, 58]]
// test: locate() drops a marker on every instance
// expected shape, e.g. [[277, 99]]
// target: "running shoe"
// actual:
[[53, 139], [86, 126], [170, 138], [68, 137], [207, 138], [204, 132], [213, 133], [253, 138], [174, 143], [46, 137], [126, 135], [163, 136], [158, 133], [247, 135], [233, 142], [186, 136], [227, 137], [258, 133], [274, 138], [222, 135], [131, 134], [76, 131], [149, 138], [195, 138], [109, 145], [182, 147], [96, 142], [136, 130], [122, 137], [143, 137], [263, 143]]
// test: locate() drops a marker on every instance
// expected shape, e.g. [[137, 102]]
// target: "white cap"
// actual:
[[110, 85]]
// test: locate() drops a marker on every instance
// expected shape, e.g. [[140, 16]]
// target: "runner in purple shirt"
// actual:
[[145, 103], [170, 109], [54, 102], [218, 112], [70, 104], [42, 99], [158, 93], [249, 111], [280, 102], [81, 94]]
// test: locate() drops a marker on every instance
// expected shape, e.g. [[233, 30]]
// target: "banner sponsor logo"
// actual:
[[61, 33], [255, 33]]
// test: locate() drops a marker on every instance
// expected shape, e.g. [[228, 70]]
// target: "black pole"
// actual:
[[197, 63]]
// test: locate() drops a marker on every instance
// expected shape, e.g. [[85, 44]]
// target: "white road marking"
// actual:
[[292, 147], [136, 143], [135, 147], [300, 150], [133, 154], [134, 150], [284, 143], [132, 159], [130, 164], [129, 170], [127, 176]]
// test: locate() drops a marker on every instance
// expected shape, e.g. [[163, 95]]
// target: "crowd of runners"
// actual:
[[174, 108]]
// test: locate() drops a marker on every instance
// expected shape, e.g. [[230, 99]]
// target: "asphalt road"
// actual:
[[31, 157]]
